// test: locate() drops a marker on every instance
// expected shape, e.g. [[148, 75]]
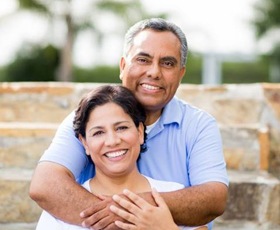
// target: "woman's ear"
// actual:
[[83, 140]]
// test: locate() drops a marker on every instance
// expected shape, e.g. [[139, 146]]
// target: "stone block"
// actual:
[[22, 144], [246, 147], [30, 102], [229, 104], [16, 205], [253, 197], [40, 102]]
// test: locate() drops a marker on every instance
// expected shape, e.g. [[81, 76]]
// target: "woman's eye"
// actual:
[[122, 128], [97, 133]]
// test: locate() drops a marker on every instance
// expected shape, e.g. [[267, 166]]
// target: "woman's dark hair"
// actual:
[[102, 95]]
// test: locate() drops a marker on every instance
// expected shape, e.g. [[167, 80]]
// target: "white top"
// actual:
[[47, 221]]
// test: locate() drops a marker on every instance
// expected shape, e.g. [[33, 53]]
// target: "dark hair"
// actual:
[[102, 95], [156, 24]]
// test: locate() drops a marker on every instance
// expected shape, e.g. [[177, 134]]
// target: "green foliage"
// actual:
[[232, 72], [3, 74], [267, 16], [34, 64], [193, 69], [247, 72], [34, 5], [101, 74]]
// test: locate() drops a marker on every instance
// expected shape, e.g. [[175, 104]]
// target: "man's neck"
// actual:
[[152, 117]]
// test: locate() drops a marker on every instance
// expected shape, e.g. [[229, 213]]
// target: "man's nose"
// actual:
[[154, 71]]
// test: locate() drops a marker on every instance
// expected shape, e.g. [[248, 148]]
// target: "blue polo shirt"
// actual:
[[184, 146]]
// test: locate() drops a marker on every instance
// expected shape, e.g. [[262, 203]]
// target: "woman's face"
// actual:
[[112, 140]]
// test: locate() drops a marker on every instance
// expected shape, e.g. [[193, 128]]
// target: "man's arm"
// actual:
[[55, 190], [197, 205]]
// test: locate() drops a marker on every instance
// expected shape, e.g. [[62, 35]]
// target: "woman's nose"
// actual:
[[112, 139]]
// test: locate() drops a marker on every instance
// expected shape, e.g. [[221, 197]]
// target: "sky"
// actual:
[[211, 26]]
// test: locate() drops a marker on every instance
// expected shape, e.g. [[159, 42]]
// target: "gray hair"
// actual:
[[156, 24]]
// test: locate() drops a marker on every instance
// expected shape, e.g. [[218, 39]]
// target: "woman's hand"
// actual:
[[140, 214]]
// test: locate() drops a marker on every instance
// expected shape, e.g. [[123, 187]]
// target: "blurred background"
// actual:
[[233, 41]]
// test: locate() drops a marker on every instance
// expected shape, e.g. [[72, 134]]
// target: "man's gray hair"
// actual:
[[156, 24]]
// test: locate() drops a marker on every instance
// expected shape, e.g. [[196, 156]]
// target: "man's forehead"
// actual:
[[149, 43]]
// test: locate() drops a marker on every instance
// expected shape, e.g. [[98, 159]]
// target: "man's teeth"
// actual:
[[150, 87], [115, 154]]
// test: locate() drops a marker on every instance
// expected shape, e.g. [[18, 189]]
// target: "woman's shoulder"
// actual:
[[164, 186]]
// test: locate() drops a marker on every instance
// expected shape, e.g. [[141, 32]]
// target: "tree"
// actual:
[[267, 20], [127, 11]]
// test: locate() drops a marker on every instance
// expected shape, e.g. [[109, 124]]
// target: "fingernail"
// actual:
[[115, 197]]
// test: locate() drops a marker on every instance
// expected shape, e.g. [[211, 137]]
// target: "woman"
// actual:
[[109, 121]]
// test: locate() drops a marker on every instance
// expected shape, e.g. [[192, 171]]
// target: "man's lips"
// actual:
[[115, 153]]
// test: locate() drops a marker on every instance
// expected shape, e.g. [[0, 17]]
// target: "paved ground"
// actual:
[[243, 225], [18, 226]]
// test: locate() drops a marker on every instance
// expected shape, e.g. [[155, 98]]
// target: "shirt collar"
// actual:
[[172, 112]]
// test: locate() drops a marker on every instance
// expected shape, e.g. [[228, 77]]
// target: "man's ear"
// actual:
[[83, 140], [182, 72], [122, 66], [141, 133]]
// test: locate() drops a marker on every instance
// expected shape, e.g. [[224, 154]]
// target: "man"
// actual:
[[183, 142]]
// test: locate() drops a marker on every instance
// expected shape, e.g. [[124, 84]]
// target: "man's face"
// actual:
[[152, 68]]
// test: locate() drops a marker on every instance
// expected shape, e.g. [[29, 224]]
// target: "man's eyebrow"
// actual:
[[144, 54]]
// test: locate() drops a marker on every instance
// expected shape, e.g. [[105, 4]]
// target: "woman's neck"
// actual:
[[103, 184]]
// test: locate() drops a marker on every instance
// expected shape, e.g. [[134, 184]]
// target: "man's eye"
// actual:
[[142, 60], [168, 63]]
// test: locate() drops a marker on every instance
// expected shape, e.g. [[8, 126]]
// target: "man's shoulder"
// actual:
[[186, 111]]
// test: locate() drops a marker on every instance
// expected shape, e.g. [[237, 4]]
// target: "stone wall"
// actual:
[[248, 116]]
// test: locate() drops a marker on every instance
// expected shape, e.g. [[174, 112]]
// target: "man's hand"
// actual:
[[99, 216]]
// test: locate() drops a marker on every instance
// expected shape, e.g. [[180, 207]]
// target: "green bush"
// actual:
[[247, 72], [101, 74], [193, 69], [34, 64]]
